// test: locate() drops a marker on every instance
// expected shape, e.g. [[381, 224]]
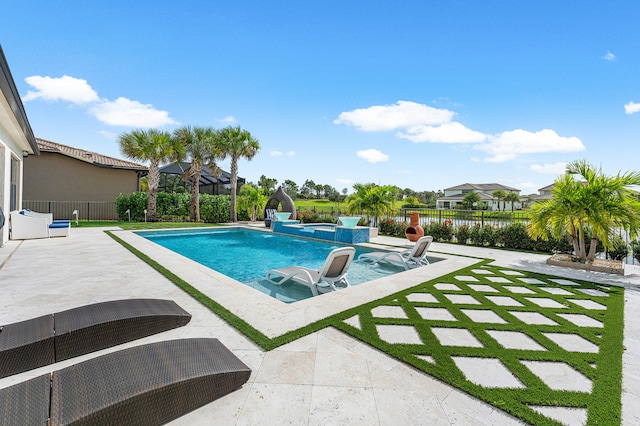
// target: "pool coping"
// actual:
[[273, 317]]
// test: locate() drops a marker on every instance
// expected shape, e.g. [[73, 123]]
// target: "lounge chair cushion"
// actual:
[[144, 385]]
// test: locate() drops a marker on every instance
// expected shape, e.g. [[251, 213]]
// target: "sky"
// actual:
[[415, 93]]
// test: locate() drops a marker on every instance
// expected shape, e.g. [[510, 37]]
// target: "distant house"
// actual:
[[78, 179], [543, 194], [16, 142], [454, 196]]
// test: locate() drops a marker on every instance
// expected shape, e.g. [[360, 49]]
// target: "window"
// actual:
[[13, 196]]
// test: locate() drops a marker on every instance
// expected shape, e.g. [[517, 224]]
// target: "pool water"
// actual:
[[247, 255]]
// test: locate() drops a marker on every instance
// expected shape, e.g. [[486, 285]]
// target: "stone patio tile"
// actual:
[[499, 280], [341, 369], [504, 301], [556, 290], [409, 407], [462, 299], [593, 292], [533, 318], [559, 376], [466, 278], [385, 311], [399, 334], [354, 321], [482, 271], [488, 372], [582, 320], [445, 286], [544, 302], [588, 304], [572, 342], [277, 402], [531, 281], [563, 281], [456, 337], [483, 316], [510, 272], [341, 406], [427, 358], [422, 297], [439, 314], [515, 340], [483, 288], [519, 289], [568, 416], [287, 367]]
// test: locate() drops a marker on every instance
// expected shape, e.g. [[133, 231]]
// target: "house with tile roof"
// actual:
[[16, 142], [455, 194], [78, 178]]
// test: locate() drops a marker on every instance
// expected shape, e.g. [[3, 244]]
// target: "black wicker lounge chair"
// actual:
[[33, 343], [150, 385]]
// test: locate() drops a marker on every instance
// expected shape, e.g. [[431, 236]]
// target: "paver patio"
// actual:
[[326, 377]]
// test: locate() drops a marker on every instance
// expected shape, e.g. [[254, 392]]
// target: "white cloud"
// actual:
[[609, 57], [549, 169], [280, 153], [631, 108], [509, 145], [345, 181], [229, 119], [372, 156], [445, 133], [109, 135], [402, 115], [125, 112], [65, 88]]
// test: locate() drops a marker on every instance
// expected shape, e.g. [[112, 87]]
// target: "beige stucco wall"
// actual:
[[56, 177]]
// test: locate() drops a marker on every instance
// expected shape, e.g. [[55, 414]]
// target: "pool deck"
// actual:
[[324, 378]]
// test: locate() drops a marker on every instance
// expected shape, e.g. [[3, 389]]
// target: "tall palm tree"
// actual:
[[237, 143], [595, 206], [154, 146], [200, 146], [512, 197], [499, 194]]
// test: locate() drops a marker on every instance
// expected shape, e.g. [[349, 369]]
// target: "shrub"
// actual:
[[136, 203], [619, 250], [491, 235], [215, 208], [515, 236], [392, 228], [475, 235], [173, 205], [635, 247], [462, 234], [440, 231]]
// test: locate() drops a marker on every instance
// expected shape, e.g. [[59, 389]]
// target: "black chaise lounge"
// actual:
[[44, 340], [145, 385]]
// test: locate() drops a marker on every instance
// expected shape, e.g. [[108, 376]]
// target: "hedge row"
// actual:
[[513, 236], [176, 207]]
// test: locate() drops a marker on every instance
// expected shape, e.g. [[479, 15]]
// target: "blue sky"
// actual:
[[419, 94]]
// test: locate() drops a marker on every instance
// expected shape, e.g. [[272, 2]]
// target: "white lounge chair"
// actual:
[[331, 276], [27, 227], [411, 258]]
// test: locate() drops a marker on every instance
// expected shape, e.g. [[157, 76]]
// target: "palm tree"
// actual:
[[201, 147], [154, 146], [237, 143], [513, 198], [251, 199], [499, 194], [372, 199], [470, 199], [595, 206]]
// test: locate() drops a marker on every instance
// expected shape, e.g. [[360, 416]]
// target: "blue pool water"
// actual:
[[246, 256]]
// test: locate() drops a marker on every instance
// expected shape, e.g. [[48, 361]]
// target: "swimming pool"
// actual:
[[247, 255]]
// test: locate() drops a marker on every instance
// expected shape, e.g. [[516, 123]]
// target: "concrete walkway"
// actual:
[[324, 378]]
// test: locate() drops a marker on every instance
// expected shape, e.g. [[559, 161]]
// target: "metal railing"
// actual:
[[87, 210]]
